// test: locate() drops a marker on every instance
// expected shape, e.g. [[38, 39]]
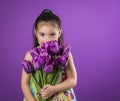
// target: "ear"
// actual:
[[35, 32], [60, 33]]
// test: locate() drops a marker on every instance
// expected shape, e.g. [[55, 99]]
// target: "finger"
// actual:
[[44, 90], [44, 93], [44, 96], [45, 87]]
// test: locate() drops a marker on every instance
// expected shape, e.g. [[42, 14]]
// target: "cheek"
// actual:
[[52, 39], [43, 40], [55, 38], [40, 41]]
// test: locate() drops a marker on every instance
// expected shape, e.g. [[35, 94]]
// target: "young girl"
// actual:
[[47, 27]]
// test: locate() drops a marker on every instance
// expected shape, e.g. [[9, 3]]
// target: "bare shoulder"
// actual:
[[28, 56], [70, 61], [70, 56]]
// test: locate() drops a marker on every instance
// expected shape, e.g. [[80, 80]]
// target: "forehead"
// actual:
[[47, 24]]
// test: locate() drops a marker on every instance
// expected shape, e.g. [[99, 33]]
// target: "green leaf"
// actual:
[[57, 78], [44, 78], [36, 75]]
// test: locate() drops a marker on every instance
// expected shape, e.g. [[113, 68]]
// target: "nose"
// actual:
[[48, 39]]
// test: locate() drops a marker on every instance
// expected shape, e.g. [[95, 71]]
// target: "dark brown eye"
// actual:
[[52, 34], [42, 34]]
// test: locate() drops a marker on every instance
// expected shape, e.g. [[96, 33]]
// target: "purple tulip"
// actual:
[[44, 46], [34, 52], [49, 55], [54, 47], [66, 49], [36, 64], [43, 57], [63, 60], [56, 62], [42, 49], [48, 58], [48, 68], [27, 66], [61, 49]]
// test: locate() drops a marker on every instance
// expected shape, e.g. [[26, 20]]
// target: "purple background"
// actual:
[[91, 27]]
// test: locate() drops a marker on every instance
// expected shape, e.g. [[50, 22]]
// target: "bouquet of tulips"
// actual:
[[48, 62]]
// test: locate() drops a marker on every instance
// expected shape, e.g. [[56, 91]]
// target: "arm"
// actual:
[[70, 82], [25, 81]]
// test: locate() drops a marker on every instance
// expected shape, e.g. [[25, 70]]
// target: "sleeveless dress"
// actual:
[[61, 96], [56, 52]]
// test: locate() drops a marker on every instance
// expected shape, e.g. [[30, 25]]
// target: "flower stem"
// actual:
[[43, 77]]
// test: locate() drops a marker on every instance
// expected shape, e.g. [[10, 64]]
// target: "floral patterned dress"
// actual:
[[61, 96], [49, 62], [65, 96]]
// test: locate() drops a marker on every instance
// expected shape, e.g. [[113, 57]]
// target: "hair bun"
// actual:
[[46, 11]]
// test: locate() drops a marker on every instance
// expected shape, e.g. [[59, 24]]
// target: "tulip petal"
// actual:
[[54, 47], [36, 64], [34, 52], [27, 66], [48, 68]]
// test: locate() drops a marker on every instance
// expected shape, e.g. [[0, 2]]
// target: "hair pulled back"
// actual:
[[47, 16]]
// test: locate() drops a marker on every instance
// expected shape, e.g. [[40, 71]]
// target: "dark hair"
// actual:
[[47, 16]]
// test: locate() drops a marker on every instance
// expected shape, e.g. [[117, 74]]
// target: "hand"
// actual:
[[47, 91]]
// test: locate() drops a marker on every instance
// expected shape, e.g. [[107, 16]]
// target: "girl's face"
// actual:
[[47, 31]]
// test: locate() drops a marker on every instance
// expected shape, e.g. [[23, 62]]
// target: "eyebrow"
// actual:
[[44, 33], [41, 32]]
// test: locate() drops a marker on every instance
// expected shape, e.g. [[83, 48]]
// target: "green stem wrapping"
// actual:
[[57, 77], [40, 75], [43, 78]]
